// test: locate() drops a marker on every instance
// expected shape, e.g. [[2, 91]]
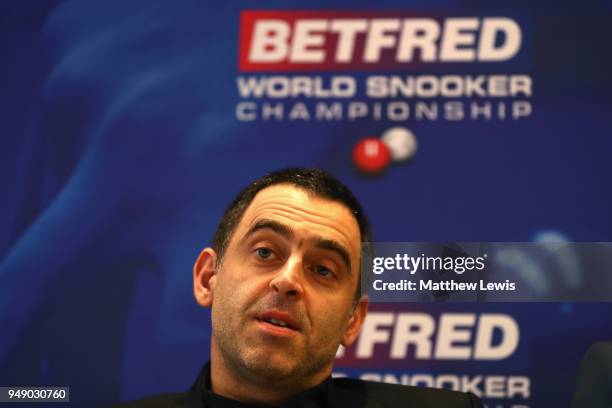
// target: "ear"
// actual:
[[204, 277], [357, 317]]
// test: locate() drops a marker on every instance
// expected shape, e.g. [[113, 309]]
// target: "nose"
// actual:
[[288, 281]]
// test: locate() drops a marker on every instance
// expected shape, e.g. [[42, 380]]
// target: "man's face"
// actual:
[[283, 297]]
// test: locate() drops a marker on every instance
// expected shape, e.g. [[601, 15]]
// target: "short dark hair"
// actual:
[[315, 181]]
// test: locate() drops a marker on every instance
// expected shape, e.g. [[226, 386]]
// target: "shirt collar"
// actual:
[[201, 395]]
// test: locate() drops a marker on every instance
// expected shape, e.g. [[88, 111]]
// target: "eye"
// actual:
[[263, 253], [323, 271]]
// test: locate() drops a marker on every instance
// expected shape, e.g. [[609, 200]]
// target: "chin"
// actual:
[[271, 367]]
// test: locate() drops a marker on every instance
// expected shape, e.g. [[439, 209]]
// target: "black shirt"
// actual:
[[331, 393], [314, 397]]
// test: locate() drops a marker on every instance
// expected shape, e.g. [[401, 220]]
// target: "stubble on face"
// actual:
[[264, 360], [241, 294]]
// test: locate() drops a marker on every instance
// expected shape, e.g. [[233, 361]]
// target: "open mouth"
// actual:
[[280, 320], [278, 323]]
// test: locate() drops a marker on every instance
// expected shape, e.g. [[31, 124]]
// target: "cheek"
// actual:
[[331, 319], [235, 294]]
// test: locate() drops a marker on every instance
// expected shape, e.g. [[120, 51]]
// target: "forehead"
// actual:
[[306, 213]]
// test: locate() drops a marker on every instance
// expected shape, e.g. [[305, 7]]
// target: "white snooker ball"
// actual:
[[401, 142]]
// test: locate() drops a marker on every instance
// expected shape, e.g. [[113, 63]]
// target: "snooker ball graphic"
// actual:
[[371, 155], [401, 143]]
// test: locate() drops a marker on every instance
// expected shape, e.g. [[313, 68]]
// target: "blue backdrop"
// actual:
[[121, 145]]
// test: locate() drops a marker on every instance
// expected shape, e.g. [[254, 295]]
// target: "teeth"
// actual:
[[277, 322]]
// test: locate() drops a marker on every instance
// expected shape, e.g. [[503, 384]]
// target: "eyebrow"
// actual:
[[278, 227], [287, 232]]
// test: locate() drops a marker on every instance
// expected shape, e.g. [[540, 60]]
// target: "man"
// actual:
[[283, 281]]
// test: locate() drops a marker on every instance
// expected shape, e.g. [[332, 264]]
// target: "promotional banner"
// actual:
[[129, 126]]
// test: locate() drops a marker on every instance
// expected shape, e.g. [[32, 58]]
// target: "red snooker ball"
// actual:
[[371, 155]]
